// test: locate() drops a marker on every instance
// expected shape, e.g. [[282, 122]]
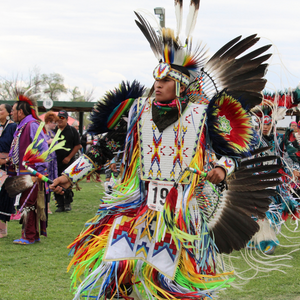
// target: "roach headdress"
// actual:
[[32, 103]]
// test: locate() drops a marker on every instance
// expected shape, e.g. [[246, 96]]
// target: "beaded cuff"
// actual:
[[227, 164], [79, 169]]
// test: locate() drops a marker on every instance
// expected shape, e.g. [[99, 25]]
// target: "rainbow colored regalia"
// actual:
[[163, 228]]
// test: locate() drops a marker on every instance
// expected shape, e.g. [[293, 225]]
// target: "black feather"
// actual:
[[222, 50], [254, 179], [255, 187], [258, 160], [244, 172], [252, 194], [240, 47], [151, 35]]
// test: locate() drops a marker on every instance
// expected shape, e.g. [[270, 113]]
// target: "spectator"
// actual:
[[293, 125], [75, 124], [66, 158], [51, 120], [112, 173], [32, 201], [7, 129]]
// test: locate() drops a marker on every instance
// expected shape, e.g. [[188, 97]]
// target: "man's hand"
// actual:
[[66, 160], [113, 167], [216, 175], [59, 183], [2, 161]]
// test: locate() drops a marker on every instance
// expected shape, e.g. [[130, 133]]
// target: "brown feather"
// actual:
[[17, 184]]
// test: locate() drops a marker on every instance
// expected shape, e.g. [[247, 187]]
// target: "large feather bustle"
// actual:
[[242, 75], [105, 106], [231, 223]]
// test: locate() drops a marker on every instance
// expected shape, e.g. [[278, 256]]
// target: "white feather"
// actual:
[[178, 14], [192, 17]]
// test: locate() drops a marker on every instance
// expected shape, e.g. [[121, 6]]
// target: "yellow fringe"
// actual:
[[188, 270]]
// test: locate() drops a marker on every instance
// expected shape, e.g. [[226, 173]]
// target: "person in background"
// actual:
[[75, 124], [66, 158], [32, 200], [112, 173], [87, 140], [293, 125], [50, 124], [7, 129]]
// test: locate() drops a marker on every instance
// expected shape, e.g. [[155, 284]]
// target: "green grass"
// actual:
[[38, 272]]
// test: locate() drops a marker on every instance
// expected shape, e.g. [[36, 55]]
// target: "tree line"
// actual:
[[42, 86]]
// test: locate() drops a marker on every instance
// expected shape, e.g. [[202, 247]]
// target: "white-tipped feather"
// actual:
[[192, 17], [178, 14]]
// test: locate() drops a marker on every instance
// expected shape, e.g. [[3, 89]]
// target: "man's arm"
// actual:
[[67, 159], [223, 167]]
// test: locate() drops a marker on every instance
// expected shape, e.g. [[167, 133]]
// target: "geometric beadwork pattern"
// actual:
[[165, 154], [122, 232], [79, 168], [140, 244], [165, 245]]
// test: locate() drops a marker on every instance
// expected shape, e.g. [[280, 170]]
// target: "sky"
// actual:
[[96, 44]]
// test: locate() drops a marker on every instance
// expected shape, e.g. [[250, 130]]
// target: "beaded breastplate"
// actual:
[[165, 154]]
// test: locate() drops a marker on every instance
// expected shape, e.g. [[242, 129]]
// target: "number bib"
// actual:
[[158, 192]]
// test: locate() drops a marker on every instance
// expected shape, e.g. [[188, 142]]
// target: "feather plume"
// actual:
[[192, 17], [150, 34], [34, 153]]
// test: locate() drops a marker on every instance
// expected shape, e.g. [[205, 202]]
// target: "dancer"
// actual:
[[32, 201], [283, 204], [162, 228]]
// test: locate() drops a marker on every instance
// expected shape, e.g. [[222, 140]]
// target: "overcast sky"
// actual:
[[96, 44]]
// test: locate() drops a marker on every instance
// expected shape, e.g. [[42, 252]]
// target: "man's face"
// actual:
[[294, 127], [267, 129], [62, 122], [15, 113], [165, 90]]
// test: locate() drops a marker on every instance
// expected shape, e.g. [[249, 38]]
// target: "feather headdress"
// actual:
[[229, 68], [32, 103], [176, 60]]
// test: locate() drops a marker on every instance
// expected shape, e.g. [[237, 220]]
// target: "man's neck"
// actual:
[[62, 128]]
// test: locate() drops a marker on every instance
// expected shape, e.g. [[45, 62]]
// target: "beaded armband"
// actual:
[[79, 169], [227, 164]]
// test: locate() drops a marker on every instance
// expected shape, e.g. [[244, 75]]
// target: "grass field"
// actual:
[[38, 272]]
